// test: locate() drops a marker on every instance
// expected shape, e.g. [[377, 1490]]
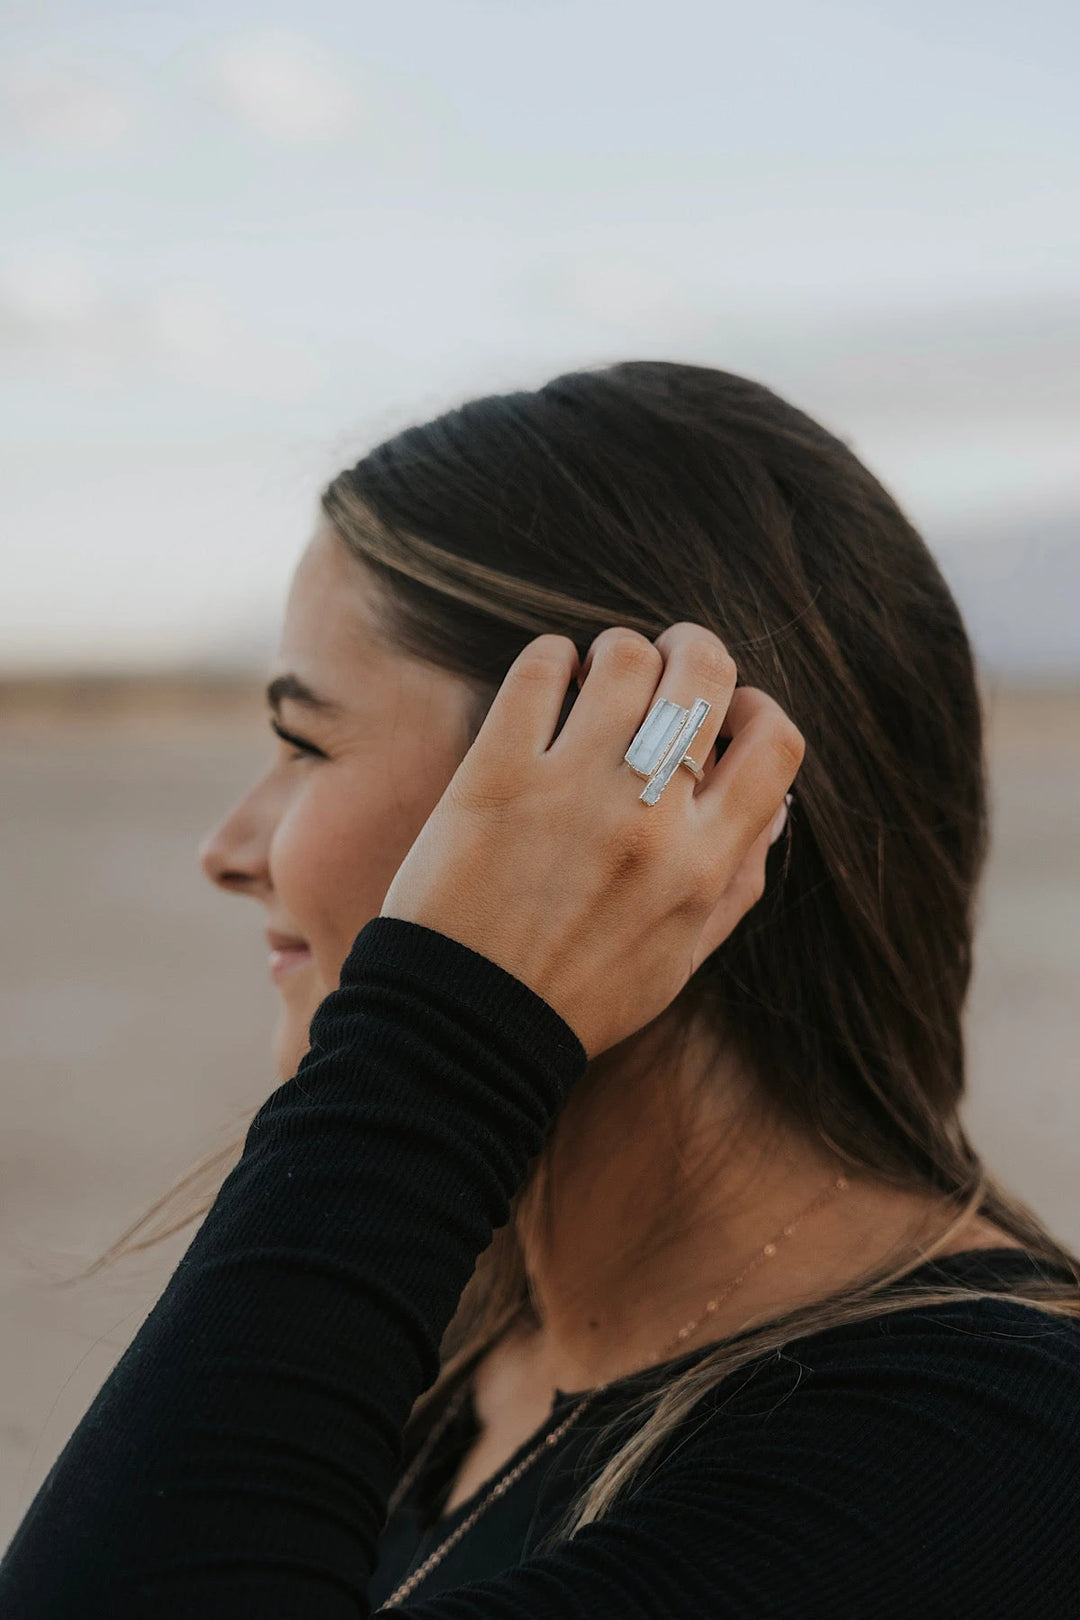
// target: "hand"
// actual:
[[541, 856]]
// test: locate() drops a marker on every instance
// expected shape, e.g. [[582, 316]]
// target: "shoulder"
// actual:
[[944, 1441], [967, 1412], [924, 1461], [953, 1358]]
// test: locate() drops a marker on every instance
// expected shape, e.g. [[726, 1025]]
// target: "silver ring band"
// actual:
[[661, 744]]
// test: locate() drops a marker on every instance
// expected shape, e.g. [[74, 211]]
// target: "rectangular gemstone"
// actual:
[[658, 731], [681, 745]]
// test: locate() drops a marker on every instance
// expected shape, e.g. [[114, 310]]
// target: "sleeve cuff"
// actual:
[[458, 978]]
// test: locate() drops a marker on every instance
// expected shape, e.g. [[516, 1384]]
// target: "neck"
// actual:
[[655, 1192]]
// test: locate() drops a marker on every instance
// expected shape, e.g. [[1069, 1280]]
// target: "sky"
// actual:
[[241, 244]]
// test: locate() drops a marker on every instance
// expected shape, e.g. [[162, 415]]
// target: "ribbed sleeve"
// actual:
[[238, 1458], [237, 1463]]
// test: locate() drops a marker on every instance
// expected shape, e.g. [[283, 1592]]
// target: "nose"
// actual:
[[234, 854]]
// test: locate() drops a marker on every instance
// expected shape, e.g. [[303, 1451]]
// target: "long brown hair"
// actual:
[[653, 493], [647, 493]]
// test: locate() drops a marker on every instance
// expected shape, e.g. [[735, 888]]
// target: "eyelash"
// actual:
[[307, 750]]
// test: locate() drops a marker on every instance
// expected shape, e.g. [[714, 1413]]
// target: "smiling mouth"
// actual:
[[287, 959]]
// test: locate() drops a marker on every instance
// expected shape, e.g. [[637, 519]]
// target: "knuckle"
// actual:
[[631, 654], [711, 662], [603, 639], [561, 647], [544, 658], [789, 743]]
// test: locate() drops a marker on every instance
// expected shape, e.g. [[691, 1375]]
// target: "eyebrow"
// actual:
[[291, 686]]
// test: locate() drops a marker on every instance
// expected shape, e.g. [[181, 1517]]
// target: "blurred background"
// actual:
[[243, 243]]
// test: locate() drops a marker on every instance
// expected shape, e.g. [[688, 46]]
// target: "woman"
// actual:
[[612, 1245]]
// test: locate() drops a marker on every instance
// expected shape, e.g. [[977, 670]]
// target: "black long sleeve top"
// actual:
[[238, 1460]]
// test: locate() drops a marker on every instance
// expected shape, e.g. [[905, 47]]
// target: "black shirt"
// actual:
[[882, 1350], [238, 1460]]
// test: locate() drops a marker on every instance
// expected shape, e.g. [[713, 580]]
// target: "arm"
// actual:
[[238, 1460], [239, 1457]]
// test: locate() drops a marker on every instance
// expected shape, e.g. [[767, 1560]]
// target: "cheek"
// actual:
[[333, 857]]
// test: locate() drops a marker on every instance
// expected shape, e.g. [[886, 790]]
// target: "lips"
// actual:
[[287, 952]]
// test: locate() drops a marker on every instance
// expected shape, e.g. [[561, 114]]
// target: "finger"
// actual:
[[780, 821], [741, 895], [746, 788], [529, 702], [620, 672], [696, 665]]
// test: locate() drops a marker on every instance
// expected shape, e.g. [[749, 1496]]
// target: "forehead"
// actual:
[[330, 628], [334, 646]]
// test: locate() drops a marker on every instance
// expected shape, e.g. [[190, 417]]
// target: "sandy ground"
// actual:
[[137, 1012]]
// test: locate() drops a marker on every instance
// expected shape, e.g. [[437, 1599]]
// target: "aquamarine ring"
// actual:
[[662, 744]]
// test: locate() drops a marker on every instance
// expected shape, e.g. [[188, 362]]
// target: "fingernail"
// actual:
[[778, 824]]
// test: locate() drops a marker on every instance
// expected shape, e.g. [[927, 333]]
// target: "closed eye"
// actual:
[[307, 750]]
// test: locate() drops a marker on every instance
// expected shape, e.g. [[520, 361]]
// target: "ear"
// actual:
[[742, 893]]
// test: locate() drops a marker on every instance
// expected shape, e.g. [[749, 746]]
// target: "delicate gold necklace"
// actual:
[[503, 1482]]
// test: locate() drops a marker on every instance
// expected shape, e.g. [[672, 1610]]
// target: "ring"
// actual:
[[661, 744]]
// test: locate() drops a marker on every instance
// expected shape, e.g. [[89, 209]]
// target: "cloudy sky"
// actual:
[[241, 243]]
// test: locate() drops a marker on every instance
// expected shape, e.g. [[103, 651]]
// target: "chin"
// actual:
[[300, 994], [291, 1041]]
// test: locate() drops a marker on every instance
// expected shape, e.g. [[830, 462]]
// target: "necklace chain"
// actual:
[[764, 1253], [503, 1482]]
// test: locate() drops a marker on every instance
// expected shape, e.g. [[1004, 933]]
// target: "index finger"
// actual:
[[746, 786]]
